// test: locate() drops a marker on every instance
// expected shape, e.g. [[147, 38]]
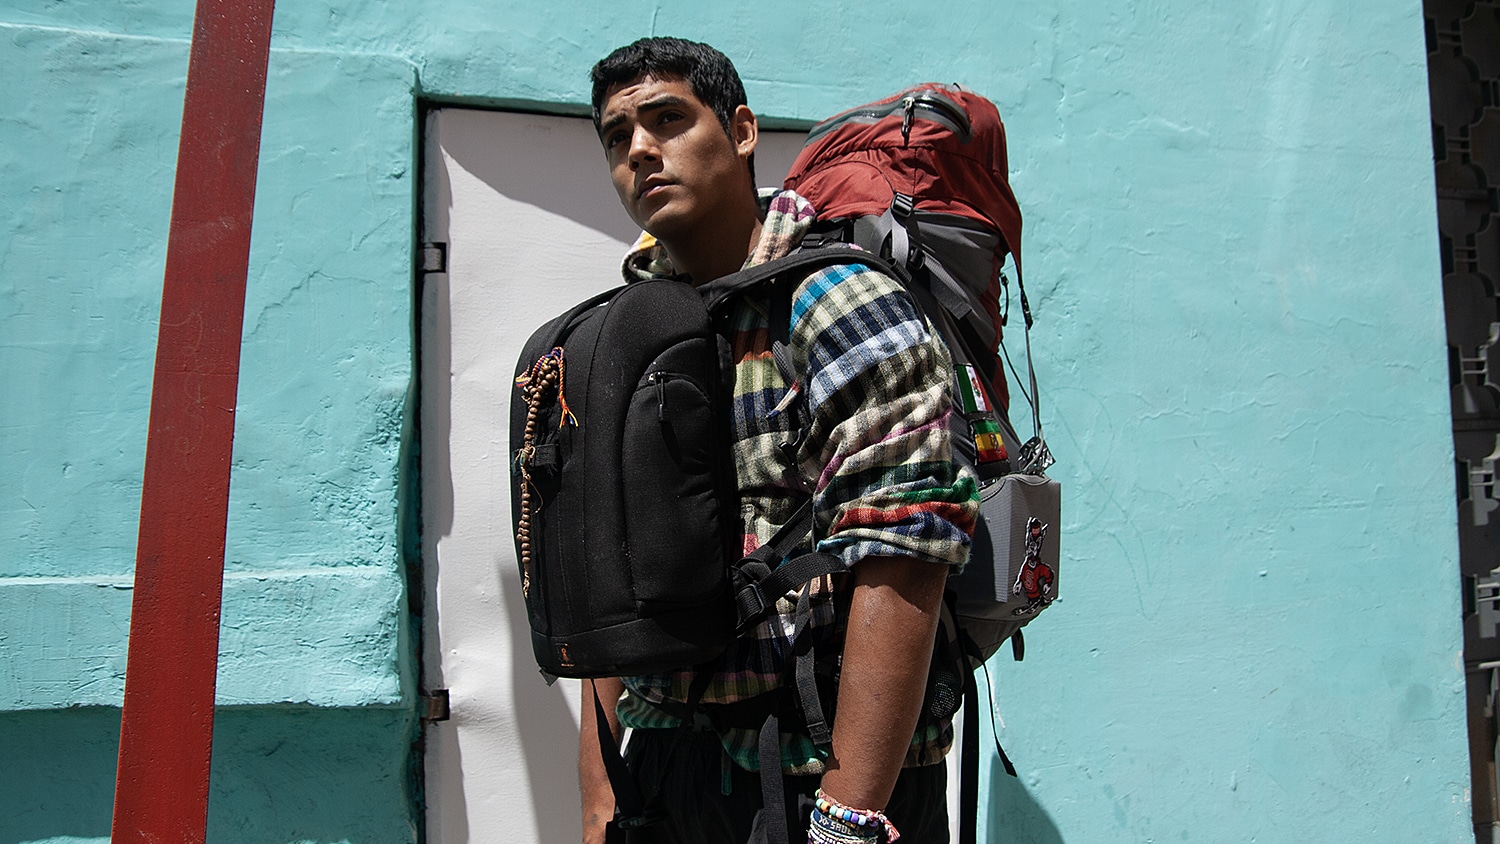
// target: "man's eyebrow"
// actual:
[[660, 101], [608, 126]]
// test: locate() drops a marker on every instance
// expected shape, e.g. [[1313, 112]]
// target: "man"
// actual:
[[873, 400]]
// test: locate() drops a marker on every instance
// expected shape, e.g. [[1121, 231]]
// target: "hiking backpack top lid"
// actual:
[[938, 143]]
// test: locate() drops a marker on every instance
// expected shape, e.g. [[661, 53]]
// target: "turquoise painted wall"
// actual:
[[1231, 247], [316, 632]]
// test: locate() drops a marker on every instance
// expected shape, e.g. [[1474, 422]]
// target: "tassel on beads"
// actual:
[[543, 369]]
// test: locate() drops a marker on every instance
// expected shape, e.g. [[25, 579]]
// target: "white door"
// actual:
[[532, 227]]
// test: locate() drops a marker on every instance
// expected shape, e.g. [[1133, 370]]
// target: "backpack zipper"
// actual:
[[659, 379], [928, 105]]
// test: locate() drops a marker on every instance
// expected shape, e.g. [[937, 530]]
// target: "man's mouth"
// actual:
[[650, 186]]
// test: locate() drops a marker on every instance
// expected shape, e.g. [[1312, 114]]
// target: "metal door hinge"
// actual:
[[433, 258], [435, 705]]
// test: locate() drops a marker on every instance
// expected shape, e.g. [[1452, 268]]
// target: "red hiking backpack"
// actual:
[[921, 179]]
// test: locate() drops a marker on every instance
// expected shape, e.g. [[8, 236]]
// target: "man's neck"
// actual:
[[721, 251]]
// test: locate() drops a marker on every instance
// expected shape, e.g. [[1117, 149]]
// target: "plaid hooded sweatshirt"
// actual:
[[876, 383]]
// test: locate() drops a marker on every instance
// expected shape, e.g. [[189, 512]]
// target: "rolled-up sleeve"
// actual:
[[879, 399]]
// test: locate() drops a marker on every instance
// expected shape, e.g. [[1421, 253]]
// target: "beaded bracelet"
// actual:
[[859, 817], [826, 829]]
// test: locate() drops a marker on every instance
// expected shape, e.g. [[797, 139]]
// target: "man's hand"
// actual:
[[893, 618], [593, 782]]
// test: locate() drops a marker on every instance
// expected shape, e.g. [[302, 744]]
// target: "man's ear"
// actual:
[[745, 130]]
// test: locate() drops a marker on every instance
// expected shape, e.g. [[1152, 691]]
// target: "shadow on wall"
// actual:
[[57, 772], [279, 774], [547, 729], [1014, 815], [536, 179]]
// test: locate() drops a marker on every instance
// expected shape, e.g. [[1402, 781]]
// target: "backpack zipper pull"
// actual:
[[908, 106], [659, 379]]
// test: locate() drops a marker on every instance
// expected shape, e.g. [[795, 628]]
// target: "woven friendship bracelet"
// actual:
[[868, 819], [825, 829]]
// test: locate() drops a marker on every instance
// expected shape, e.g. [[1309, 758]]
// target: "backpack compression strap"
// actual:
[[767, 573]]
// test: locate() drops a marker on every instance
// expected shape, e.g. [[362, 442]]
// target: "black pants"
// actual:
[[699, 812]]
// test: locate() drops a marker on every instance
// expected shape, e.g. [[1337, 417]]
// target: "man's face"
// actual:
[[671, 162]]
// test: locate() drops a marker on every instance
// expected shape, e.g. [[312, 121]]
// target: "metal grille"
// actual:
[[1463, 65]]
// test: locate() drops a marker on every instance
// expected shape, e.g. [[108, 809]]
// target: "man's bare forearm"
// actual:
[[893, 618], [593, 782]]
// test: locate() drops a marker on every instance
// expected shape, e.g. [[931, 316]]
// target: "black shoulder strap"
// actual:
[[629, 801], [563, 324], [716, 292], [634, 807], [774, 827]]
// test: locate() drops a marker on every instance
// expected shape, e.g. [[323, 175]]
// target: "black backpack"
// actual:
[[622, 482]]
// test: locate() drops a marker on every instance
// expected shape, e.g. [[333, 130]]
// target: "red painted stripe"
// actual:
[[166, 733]]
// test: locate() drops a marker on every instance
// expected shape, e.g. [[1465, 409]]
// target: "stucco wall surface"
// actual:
[[324, 382], [1231, 250]]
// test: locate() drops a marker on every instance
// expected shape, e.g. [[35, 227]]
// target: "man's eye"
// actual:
[[614, 139], [670, 117]]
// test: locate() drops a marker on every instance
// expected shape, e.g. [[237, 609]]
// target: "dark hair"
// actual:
[[709, 73]]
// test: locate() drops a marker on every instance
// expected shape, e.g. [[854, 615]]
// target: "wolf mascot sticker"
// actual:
[[1036, 578]]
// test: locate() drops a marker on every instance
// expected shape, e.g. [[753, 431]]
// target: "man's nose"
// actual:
[[642, 148]]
